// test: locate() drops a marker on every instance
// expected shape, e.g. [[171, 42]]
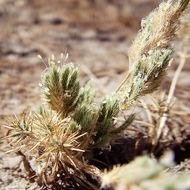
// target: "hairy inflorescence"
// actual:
[[150, 53]]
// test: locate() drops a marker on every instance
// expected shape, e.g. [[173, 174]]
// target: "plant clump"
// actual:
[[61, 137]]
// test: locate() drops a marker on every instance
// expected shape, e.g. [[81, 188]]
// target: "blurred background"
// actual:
[[95, 33]]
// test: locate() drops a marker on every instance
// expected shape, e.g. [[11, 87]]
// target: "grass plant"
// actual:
[[61, 137]]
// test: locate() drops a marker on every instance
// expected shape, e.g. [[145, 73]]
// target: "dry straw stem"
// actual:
[[150, 53], [169, 98]]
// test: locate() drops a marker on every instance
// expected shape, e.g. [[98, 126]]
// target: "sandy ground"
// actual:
[[95, 33]]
